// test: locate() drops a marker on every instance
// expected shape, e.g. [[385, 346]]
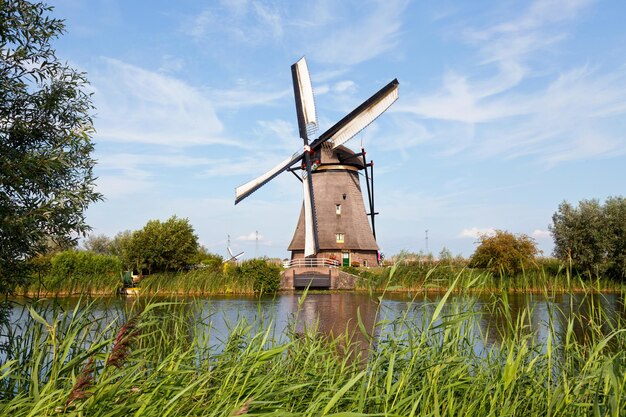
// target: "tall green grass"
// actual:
[[198, 282], [156, 359], [416, 276]]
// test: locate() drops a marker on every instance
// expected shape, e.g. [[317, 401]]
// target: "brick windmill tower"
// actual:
[[333, 220], [343, 230]]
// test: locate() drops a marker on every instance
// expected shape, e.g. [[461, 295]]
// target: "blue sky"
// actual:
[[506, 109]]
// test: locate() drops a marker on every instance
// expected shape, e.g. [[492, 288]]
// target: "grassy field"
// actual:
[[155, 359]]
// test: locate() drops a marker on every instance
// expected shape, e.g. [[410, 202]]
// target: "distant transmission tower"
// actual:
[[256, 244], [426, 239]]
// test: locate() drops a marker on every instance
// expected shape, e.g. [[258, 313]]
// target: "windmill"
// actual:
[[233, 257], [326, 154]]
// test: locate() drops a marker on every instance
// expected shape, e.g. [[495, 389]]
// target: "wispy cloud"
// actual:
[[476, 232], [137, 105], [525, 106], [364, 36], [337, 33], [250, 237], [541, 234], [251, 22], [124, 160], [536, 28], [245, 94], [124, 182]]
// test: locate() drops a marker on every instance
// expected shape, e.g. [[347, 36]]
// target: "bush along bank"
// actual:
[[74, 272]]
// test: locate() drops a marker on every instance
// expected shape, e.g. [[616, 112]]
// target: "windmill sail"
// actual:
[[310, 246], [362, 116], [340, 133], [248, 188], [305, 102]]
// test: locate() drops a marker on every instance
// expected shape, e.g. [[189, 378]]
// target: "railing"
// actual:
[[311, 263]]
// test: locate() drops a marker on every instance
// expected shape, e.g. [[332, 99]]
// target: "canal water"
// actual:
[[337, 313]]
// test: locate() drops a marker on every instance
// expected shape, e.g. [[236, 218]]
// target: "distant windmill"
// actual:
[[333, 220], [233, 258]]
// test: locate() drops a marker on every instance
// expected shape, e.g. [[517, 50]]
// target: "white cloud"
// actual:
[[541, 234], [247, 94], [137, 105], [250, 237], [171, 64], [476, 232], [279, 134], [127, 182], [170, 159], [346, 86]]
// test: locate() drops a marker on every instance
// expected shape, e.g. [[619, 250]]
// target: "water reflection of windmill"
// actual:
[[333, 220]]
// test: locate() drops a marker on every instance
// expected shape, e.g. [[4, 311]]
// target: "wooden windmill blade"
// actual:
[[305, 101], [311, 242], [248, 188], [307, 122], [361, 117]]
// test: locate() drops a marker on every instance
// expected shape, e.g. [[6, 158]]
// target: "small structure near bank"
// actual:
[[316, 273]]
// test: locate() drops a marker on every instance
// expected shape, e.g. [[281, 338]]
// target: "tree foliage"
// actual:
[[100, 244], [163, 246], [264, 275], [504, 252], [592, 236], [75, 265], [207, 259], [46, 179]]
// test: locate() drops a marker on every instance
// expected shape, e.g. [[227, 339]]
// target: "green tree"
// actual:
[[100, 244], [121, 246], [592, 236], [504, 252], [264, 275], [208, 259], [46, 179], [164, 246]]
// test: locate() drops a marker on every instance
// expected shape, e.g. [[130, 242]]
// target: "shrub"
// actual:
[[76, 264], [504, 253], [266, 276]]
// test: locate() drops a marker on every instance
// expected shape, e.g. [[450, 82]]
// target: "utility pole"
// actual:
[[426, 239]]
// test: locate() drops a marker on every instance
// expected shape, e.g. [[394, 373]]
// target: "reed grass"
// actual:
[[415, 277], [198, 282], [156, 359], [85, 284]]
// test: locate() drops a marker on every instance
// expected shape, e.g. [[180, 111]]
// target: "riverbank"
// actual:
[[401, 278]]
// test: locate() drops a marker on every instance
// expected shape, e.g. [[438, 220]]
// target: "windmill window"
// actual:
[[339, 237], [337, 208]]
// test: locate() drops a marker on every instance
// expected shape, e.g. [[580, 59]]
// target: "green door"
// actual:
[[346, 259]]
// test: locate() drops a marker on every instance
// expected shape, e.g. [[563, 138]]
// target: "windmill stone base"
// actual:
[[328, 278]]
